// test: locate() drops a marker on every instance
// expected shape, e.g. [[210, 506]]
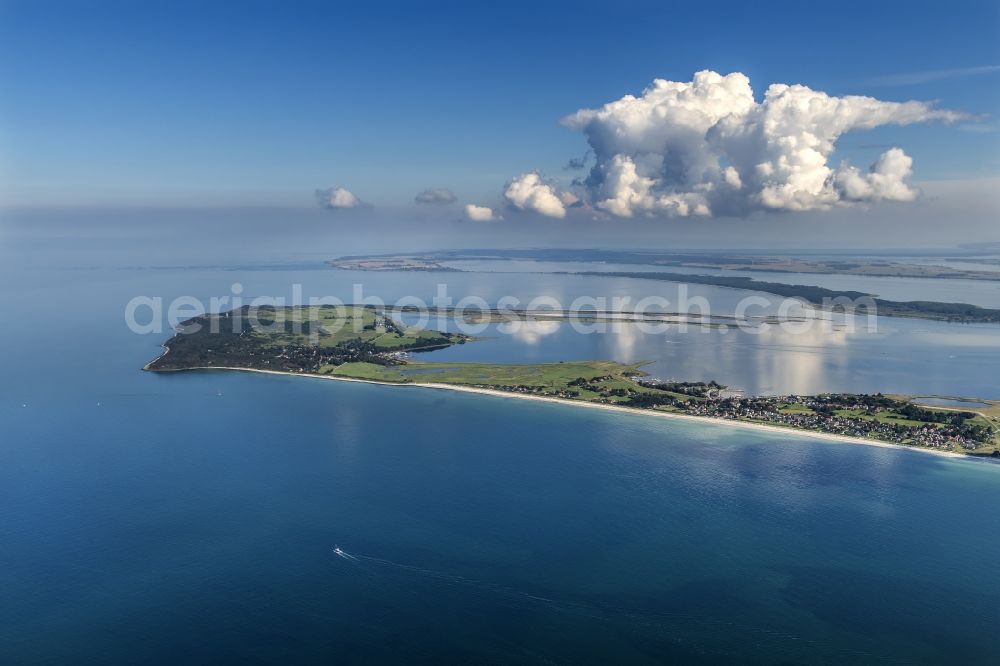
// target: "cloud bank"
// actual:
[[337, 197], [435, 195], [707, 147]]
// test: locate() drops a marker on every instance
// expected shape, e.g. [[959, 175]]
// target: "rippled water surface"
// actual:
[[160, 517]]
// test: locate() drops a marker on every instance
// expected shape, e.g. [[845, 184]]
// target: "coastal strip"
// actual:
[[613, 408], [374, 348]]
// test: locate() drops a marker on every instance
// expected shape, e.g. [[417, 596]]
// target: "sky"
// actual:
[[476, 112]]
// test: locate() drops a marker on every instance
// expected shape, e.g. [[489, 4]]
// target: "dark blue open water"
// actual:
[[148, 519]]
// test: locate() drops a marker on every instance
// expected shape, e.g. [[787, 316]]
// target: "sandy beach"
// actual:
[[593, 405]]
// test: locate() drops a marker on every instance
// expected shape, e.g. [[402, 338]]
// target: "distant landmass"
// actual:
[[818, 296], [815, 296], [771, 263]]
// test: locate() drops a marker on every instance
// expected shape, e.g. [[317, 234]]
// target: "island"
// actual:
[[393, 263], [367, 343]]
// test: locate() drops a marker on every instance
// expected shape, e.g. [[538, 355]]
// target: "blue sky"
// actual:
[[249, 103]]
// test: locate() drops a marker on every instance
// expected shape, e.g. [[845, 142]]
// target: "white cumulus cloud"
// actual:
[[480, 213], [885, 179], [529, 192], [337, 197], [708, 147]]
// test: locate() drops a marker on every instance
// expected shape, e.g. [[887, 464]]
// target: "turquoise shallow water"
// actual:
[[149, 518]]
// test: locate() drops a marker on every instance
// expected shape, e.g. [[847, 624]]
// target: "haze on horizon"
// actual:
[[874, 126]]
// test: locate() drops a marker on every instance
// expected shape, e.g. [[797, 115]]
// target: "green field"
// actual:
[[794, 408], [329, 327], [885, 416], [548, 377]]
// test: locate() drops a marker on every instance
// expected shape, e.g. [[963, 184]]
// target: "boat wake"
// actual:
[[442, 576], [666, 621]]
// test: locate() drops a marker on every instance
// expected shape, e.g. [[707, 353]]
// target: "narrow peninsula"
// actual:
[[365, 343]]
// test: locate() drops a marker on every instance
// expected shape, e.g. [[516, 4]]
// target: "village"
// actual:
[[826, 413], [855, 415]]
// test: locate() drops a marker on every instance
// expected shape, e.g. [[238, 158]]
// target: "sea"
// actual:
[[223, 517]]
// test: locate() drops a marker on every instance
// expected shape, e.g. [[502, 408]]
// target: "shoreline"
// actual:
[[831, 437]]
